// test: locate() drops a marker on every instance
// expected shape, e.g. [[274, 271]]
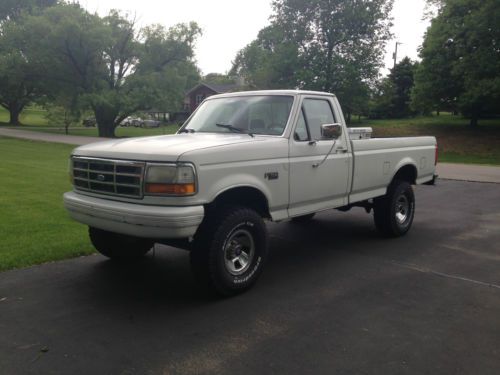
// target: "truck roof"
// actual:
[[271, 92]]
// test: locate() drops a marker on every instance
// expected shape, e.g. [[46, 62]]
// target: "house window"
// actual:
[[199, 98]]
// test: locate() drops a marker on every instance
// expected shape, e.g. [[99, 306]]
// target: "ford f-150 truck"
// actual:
[[239, 160]]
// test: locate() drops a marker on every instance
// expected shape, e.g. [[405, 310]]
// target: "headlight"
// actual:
[[170, 179]]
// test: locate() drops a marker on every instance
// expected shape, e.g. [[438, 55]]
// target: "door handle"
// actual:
[[341, 150]]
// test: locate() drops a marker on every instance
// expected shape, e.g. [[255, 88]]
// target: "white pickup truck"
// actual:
[[239, 160]]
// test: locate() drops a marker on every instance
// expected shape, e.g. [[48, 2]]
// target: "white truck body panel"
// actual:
[[377, 160]]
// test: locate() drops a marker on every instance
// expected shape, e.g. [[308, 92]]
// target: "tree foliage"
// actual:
[[328, 45], [218, 78], [19, 73], [109, 65], [269, 62], [392, 96], [14, 9], [460, 66]]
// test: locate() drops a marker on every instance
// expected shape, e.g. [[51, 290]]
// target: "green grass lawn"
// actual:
[[35, 227], [32, 115], [457, 141], [92, 132]]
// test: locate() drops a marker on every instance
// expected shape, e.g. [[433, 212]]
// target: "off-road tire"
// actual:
[[394, 212], [119, 246], [214, 240]]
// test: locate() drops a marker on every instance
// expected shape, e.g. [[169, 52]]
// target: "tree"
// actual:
[[217, 78], [392, 98], [14, 9], [66, 114], [269, 62], [109, 65], [141, 75], [461, 60], [328, 45], [19, 72]]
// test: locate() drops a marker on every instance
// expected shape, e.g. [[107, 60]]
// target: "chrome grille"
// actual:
[[106, 176]]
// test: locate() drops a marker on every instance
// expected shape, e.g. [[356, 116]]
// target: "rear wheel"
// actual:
[[229, 250], [119, 246], [394, 212]]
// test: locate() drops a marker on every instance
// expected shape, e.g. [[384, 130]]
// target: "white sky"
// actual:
[[229, 25]]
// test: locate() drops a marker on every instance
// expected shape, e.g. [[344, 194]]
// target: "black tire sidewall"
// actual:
[[249, 276], [399, 189], [207, 257]]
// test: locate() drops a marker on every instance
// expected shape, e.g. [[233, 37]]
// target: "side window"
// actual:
[[318, 112], [301, 133]]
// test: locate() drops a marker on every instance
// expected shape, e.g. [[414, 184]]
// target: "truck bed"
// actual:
[[376, 160]]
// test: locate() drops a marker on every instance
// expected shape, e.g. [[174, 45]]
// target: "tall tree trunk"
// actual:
[[14, 113], [348, 117], [105, 119], [106, 130]]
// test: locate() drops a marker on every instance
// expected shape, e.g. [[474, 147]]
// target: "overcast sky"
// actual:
[[229, 25]]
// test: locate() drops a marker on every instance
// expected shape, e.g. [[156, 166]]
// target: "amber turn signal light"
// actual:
[[171, 189]]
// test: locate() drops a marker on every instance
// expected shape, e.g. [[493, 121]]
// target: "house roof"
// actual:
[[216, 87]]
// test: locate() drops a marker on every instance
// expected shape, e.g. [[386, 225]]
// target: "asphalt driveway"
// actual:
[[334, 298]]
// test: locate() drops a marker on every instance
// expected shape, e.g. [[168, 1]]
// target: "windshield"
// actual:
[[266, 115]]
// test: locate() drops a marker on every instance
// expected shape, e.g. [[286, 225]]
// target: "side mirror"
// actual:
[[331, 131]]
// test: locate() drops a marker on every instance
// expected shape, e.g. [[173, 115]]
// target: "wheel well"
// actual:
[[244, 196], [406, 173]]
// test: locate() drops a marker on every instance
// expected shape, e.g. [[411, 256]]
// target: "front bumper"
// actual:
[[134, 219]]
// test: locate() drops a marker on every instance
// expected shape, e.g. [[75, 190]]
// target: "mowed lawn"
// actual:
[[34, 226], [32, 115], [120, 132], [457, 141]]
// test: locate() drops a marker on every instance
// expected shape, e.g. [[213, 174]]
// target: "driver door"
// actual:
[[317, 183]]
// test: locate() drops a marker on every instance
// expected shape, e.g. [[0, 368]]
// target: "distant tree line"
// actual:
[[58, 53], [338, 45]]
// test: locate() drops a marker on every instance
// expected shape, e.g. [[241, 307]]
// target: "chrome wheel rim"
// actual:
[[239, 252], [402, 209]]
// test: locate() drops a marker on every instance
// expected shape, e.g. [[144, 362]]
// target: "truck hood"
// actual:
[[161, 148]]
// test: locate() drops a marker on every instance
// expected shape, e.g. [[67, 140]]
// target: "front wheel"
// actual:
[[394, 212], [119, 246], [229, 250]]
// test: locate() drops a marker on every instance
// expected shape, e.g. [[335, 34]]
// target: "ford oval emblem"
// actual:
[[101, 177]]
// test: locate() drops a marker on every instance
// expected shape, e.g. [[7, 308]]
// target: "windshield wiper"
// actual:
[[234, 129], [186, 130]]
